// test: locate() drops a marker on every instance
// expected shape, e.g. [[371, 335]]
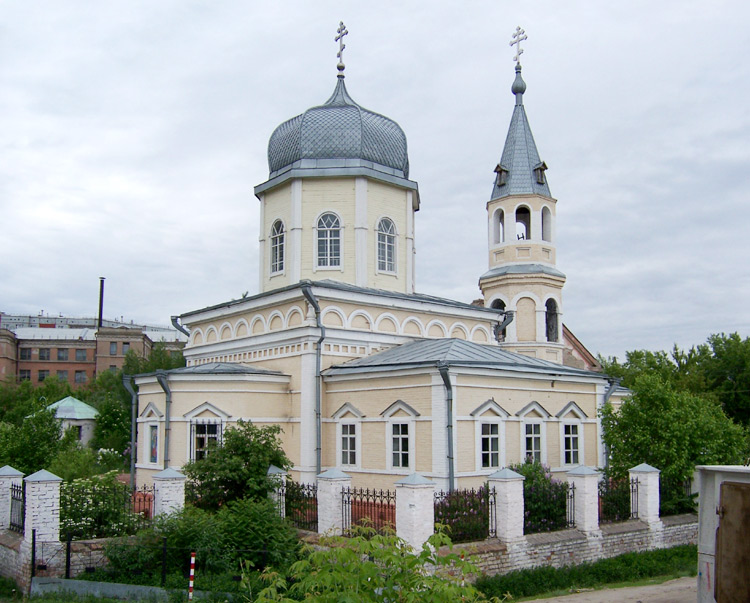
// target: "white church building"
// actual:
[[361, 372]]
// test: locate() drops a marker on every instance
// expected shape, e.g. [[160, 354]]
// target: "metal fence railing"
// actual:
[[618, 500], [372, 508], [17, 508], [300, 504], [676, 496], [469, 515], [548, 506]]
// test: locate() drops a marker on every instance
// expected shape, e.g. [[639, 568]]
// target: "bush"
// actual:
[[545, 499], [680, 560], [465, 513]]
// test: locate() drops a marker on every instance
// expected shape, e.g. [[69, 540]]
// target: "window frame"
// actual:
[[386, 240], [81, 355], [62, 374], [400, 413], [151, 443], [401, 437], [277, 242], [329, 239], [44, 354], [24, 375], [353, 438], [41, 375], [113, 348], [217, 437], [62, 354], [24, 354], [79, 373], [564, 425], [541, 435]]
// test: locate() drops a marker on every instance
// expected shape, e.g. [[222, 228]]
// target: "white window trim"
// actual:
[[492, 420], [316, 267], [578, 423], [542, 435], [393, 272], [271, 272], [357, 443], [190, 453], [409, 421], [146, 450]]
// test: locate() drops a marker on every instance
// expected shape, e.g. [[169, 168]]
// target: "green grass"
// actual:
[[624, 570]]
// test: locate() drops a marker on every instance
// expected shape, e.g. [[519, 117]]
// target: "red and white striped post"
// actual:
[[192, 576]]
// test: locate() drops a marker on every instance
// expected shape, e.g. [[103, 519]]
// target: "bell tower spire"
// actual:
[[522, 275]]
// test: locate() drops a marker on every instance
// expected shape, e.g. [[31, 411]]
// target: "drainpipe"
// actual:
[[443, 368], [508, 317], [307, 292], [127, 382], [161, 377], [613, 384], [176, 324]]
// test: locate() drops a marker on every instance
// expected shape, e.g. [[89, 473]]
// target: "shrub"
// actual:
[[545, 499], [465, 513]]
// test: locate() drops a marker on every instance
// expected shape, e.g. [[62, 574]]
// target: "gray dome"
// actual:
[[339, 131]]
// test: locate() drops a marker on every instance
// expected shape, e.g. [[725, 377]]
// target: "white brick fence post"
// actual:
[[330, 485], [277, 494], [586, 482], [169, 492], [509, 506], [648, 494], [8, 477], [415, 510], [42, 502]]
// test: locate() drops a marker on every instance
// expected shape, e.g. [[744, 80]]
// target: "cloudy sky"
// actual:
[[132, 134]]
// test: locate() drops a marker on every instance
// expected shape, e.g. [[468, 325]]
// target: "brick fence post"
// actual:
[[648, 494], [415, 510], [277, 494], [330, 509], [169, 492], [509, 506], [586, 482], [8, 477], [42, 502]]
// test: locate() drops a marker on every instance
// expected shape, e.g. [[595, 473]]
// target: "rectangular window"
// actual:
[[24, 375], [42, 375], [112, 368], [79, 432], [490, 445], [401, 445], [80, 355], [62, 375], [80, 377], [62, 354], [570, 444], [153, 443], [125, 347], [348, 444], [25, 353], [43, 353], [534, 442], [113, 348], [205, 436]]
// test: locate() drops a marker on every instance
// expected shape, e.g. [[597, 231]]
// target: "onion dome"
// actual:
[[338, 134]]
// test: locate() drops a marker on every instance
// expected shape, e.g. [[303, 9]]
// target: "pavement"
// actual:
[[682, 590]]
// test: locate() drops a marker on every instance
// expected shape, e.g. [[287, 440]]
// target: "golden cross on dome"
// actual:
[[341, 31], [518, 37]]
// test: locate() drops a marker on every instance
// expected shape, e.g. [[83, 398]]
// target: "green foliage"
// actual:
[[237, 467], [249, 532], [545, 499], [32, 445], [677, 561], [465, 514], [372, 567], [670, 430], [97, 507], [9, 590], [75, 463], [112, 429]]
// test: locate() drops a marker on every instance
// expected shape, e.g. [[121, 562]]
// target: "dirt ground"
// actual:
[[682, 590]]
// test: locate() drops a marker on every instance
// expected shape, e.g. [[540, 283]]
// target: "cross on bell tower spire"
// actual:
[[518, 36], [340, 33]]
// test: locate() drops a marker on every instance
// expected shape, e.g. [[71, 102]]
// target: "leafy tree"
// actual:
[[727, 374], [33, 445], [669, 429], [112, 429], [237, 467], [373, 567]]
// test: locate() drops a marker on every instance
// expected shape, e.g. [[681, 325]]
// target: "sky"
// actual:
[[133, 132]]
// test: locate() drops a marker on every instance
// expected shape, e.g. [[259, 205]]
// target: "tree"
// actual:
[[34, 444], [727, 374], [237, 467], [374, 567], [669, 429]]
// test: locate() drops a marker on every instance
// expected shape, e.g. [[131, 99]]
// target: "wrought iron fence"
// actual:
[[548, 506], [17, 508], [90, 510], [468, 514], [300, 504], [373, 508], [618, 500], [676, 496]]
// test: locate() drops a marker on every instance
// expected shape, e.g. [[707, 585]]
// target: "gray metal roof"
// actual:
[[73, 408], [221, 368], [520, 156], [522, 269], [452, 352], [339, 129]]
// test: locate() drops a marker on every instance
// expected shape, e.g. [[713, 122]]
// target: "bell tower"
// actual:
[[522, 276]]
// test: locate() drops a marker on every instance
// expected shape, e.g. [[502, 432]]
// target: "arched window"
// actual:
[[498, 227], [386, 246], [277, 246], [329, 241], [551, 320], [546, 224], [499, 304], [523, 223]]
